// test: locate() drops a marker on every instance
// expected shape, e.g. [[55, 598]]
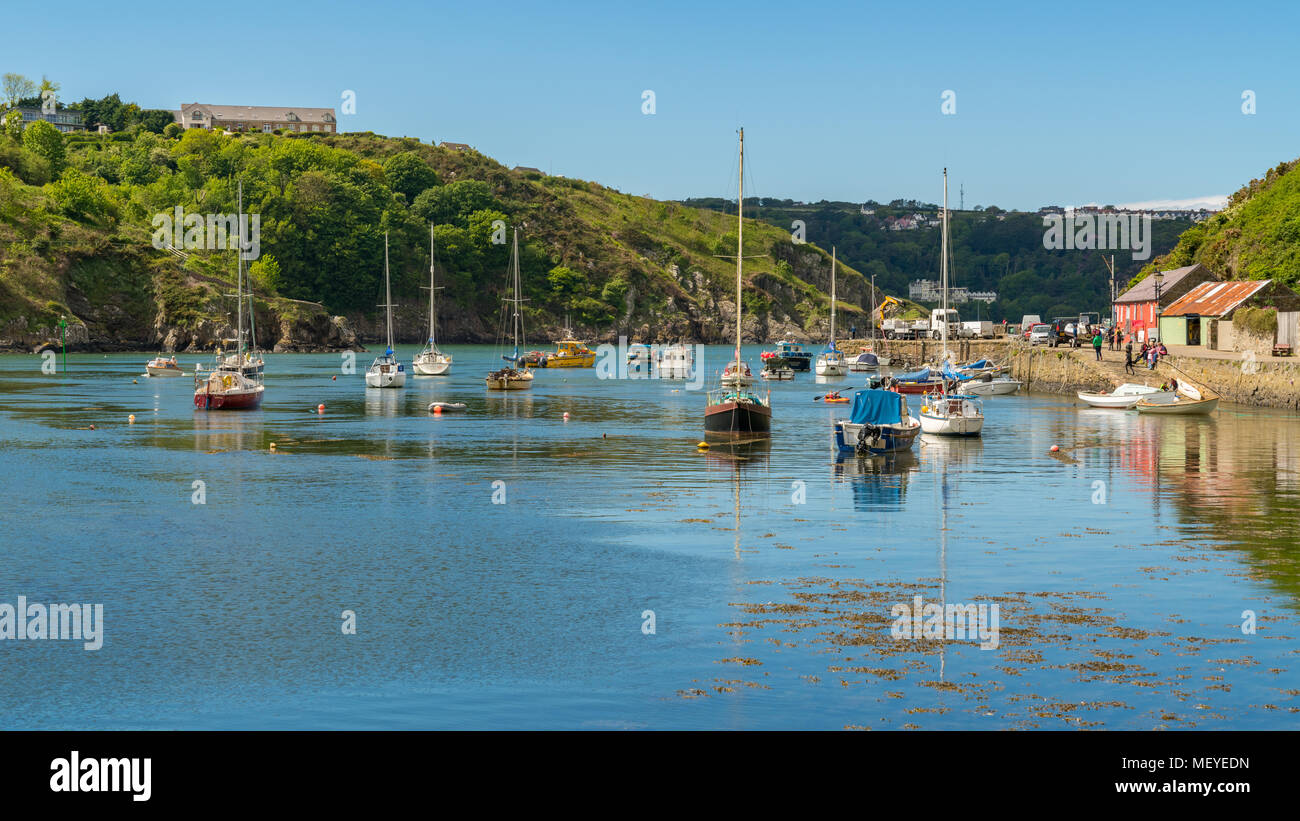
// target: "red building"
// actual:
[[1137, 310]]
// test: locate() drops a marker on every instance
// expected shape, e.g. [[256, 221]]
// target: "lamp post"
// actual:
[[1159, 279], [63, 336]]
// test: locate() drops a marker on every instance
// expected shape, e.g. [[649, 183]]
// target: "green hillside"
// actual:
[[1256, 237], [77, 212]]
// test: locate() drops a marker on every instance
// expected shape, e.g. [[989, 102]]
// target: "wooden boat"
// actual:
[[431, 361], [158, 366], [516, 377], [1126, 396], [386, 371], [733, 409], [830, 362], [879, 423], [1188, 401]]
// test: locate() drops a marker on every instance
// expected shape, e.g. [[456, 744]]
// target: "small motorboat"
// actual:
[[446, 406], [921, 381], [1127, 395], [879, 423], [159, 366], [992, 386], [865, 362], [1187, 401]]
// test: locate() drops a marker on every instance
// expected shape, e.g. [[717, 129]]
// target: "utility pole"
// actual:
[[962, 191]]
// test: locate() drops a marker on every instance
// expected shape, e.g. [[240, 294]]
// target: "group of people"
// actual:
[[1149, 353]]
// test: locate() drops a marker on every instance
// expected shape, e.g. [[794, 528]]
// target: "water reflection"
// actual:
[[878, 483]]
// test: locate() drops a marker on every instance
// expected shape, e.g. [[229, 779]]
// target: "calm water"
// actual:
[[1121, 567]]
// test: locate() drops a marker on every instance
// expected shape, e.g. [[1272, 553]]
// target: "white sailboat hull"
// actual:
[[952, 425], [996, 387], [828, 368], [382, 379], [431, 366]]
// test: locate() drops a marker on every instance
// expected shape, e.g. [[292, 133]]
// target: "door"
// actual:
[[1193, 329]]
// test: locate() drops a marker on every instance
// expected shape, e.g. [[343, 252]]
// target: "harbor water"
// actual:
[[503, 566]]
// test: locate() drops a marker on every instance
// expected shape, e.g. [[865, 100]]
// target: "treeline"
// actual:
[[992, 250]]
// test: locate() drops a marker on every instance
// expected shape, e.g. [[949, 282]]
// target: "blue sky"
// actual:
[[1056, 103]]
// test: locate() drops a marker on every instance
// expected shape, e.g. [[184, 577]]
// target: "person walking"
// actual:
[[1128, 359], [1096, 345]]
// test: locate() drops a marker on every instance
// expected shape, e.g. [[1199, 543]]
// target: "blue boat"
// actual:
[[879, 423]]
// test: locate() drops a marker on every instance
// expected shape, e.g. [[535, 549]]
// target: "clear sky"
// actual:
[[1056, 103]]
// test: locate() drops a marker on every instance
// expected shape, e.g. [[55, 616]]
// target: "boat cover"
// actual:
[[922, 375], [868, 358], [983, 363], [949, 373], [874, 407]]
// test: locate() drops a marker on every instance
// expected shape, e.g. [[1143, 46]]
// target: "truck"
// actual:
[[982, 328], [955, 330]]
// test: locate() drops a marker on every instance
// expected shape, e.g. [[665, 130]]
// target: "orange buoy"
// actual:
[[1055, 448], [566, 416], [334, 378], [131, 419], [92, 427], [437, 410], [320, 408]]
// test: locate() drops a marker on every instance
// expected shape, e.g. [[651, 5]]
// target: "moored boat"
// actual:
[[865, 362], [386, 371], [1187, 401], [992, 386], [516, 377], [159, 366], [432, 361], [952, 414], [1126, 396], [676, 361], [915, 382], [733, 409], [879, 423], [570, 353], [830, 362], [793, 352]]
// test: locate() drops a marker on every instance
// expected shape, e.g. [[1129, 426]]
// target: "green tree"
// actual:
[[453, 203], [46, 142], [17, 87], [409, 175]]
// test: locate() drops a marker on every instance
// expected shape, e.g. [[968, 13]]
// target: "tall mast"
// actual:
[[832, 296], [515, 259], [388, 294], [433, 335], [944, 266], [239, 283], [740, 242]]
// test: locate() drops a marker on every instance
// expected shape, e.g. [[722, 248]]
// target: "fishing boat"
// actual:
[[774, 367], [945, 413], [570, 353], [992, 386], [431, 361], [865, 362], [516, 377], [1187, 401], [1126, 396], [879, 423], [234, 382], [386, 371], [159, 366], [676, 361], [793, 353], [830, 362], [734, 409]]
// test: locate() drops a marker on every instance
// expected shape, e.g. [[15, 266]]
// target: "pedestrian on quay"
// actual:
[[1128, 359], [1096, 345]]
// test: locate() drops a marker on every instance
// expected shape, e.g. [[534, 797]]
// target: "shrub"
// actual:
[[1257, 321]]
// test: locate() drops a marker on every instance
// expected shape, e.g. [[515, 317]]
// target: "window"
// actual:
[[266, 128]]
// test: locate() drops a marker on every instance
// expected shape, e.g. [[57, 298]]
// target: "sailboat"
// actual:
[[830, 362], [431, 361], [944, 413], [516, 377], [733, 409], [232, 384], [386, 371]]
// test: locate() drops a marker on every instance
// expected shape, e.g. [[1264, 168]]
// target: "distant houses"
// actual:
[[64, 119], [929, 290], [255, 118], [455, 146]]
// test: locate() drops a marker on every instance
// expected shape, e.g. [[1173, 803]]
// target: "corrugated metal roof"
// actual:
[[1216, 298], [1145, 291]]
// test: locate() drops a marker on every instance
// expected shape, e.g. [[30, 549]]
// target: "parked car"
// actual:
[[1042, 335]]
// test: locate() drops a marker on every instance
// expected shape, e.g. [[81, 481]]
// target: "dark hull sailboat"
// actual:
[[737, 416]]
